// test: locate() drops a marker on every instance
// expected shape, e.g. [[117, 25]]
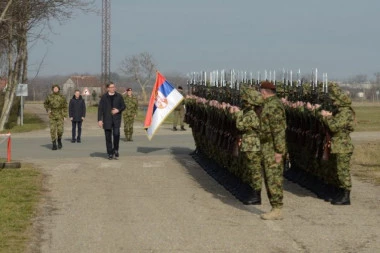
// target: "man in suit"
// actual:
[[110, 110]]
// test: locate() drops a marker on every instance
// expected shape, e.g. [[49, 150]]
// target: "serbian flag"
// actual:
[[163, 101]]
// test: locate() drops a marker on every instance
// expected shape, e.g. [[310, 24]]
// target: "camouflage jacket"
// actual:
[[273, 124], [249, 124], [341, 125], [131, 104], [56, 104]]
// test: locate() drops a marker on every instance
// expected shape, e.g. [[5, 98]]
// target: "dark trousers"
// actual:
[[76, 124], [115, 133]]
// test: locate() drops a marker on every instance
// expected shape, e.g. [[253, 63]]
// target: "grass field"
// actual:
[[20, 191], [31, 122], [367, 116], [365, 162]]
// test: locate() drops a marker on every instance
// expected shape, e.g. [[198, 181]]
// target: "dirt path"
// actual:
[[155, 198]]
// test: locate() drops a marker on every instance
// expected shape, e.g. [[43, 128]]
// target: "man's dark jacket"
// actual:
[[77, 108], [104, 110]]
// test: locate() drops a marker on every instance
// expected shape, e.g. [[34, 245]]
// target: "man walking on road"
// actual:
[[110, 109], [77, 113], [56, 106], [273, 147]]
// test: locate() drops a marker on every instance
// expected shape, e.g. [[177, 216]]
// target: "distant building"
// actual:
[[3, 84], [90, 87]]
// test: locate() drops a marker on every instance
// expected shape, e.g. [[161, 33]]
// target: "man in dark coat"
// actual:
[[110, 108], [77, 113]]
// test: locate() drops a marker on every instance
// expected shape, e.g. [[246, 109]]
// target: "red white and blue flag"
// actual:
[[164, 99]]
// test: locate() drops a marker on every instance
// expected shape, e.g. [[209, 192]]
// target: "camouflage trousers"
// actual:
[[56, 128], [128, 126], [251, 163], [273, 175], [342, 166]]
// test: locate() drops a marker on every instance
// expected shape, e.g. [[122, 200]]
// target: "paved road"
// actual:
[[155, 198]]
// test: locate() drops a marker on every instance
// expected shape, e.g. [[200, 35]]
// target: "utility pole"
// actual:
[[106, 41]]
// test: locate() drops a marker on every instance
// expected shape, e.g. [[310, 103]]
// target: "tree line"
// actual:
[[22, 22]]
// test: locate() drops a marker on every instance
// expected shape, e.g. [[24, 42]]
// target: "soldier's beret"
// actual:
[[267, 85], [129, 89], [251, 96], [180, 87], [338, 95]]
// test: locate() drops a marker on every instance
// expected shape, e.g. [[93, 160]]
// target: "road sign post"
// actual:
[[22, 91]]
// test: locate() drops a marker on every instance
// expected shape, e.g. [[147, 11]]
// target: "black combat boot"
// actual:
[[59, 143], [54, 145], [252, 197], [175, 129], [183, 128], [342, 198]]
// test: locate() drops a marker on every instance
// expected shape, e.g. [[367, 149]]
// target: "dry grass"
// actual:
[[367, 116], [365, 162], [20, 191]]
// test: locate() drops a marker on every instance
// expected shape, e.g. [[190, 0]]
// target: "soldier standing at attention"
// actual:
[[341, 124], [273, 147], [179, 113], [130, 113], [248, 123], [56, 106]]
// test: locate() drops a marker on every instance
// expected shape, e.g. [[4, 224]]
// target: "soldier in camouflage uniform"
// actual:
[[179, 113], [56, 106], [130, 113], [248, 122], [340, 124], [273, 148]]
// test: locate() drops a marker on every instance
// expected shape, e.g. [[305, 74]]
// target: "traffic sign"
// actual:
[[86, 92], [22, 90]]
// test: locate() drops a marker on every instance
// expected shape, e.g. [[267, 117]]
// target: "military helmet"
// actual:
[[338, 95], [251, 96], [307, 88]]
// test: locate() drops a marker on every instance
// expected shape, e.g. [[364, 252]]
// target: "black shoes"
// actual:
[[115, 155], [59, 143], [182, 128], [342, 198], [78, 140], [252, 197], [54, 145], [73, 141]]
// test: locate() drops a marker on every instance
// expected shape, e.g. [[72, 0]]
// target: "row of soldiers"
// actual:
[[318, 145]]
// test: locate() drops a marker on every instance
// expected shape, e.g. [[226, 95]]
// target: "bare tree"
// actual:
[[377, 75], [18, 18], [142, 68], [358, 79]]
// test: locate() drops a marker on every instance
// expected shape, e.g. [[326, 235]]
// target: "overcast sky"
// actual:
[[339, 37]]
